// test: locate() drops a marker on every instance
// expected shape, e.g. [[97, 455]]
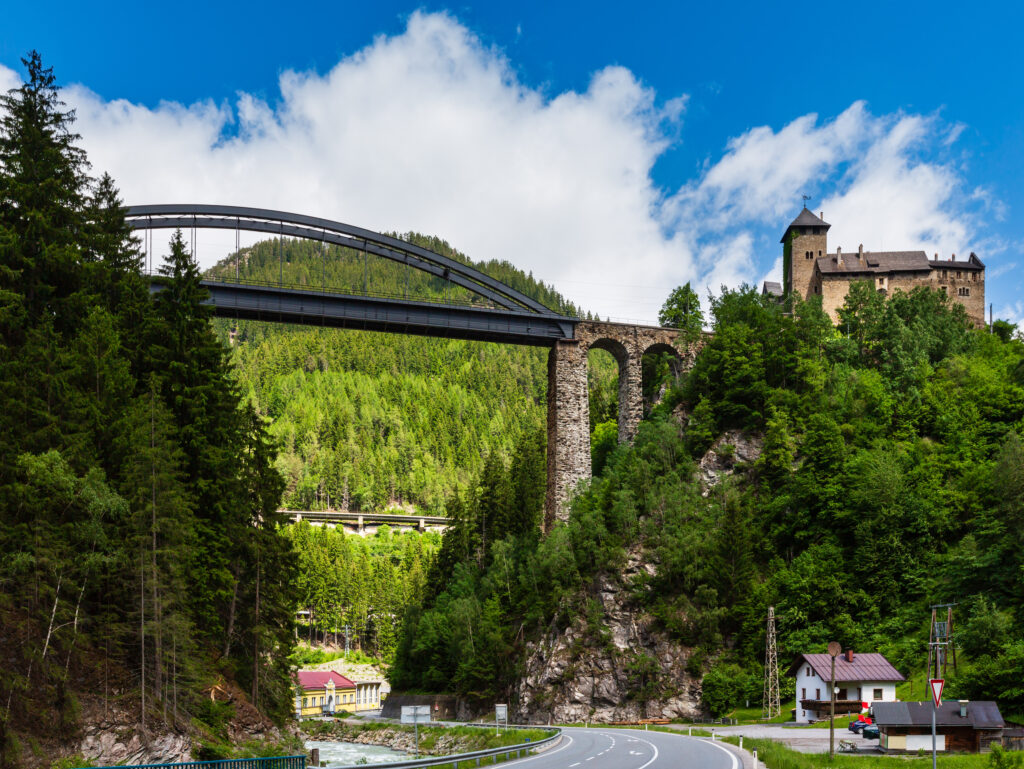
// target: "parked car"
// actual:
[[856, 726], [869, 732]]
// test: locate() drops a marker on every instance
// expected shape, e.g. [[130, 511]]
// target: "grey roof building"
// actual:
[[960, 726]]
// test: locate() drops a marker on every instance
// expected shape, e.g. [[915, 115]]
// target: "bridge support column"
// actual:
[[631, 394], [568, 455]]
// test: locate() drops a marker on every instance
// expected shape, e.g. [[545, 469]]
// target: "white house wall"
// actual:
[[811, 683]]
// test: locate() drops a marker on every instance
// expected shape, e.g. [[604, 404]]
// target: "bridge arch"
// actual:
[[283, 223]]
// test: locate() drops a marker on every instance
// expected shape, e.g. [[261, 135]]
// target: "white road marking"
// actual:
[[568, 742], [572, 765], [735, 762], [590, 758]]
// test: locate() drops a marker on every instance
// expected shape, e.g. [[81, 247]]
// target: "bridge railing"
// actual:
[[273, 762]]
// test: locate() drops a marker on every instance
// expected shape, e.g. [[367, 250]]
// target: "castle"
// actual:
[[808, 269]]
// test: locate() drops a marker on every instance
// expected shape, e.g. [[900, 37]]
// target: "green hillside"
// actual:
[[892, 477], [369, 420]]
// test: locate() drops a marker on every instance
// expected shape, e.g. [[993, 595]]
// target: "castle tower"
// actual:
[[805, 241]]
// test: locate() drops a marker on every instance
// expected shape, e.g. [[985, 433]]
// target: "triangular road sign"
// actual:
[[936, 684]]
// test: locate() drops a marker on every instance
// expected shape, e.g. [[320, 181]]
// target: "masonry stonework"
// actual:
[[568, 454], [809, 269]]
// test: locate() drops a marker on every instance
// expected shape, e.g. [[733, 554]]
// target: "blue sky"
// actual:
[[612, 150]]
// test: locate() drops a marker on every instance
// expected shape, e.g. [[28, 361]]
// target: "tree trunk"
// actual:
[[158, 631], [231, 615], [256, 642], [142, 635]]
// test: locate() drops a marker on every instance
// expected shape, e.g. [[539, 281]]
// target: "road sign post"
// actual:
[[500, 715], [936, 685], [416, 715]]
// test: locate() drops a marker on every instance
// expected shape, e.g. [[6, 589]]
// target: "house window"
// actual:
[[877, 694], [803, 692], [304, 699], [817, 694], [808, 671]]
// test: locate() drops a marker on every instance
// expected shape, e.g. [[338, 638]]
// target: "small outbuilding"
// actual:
[[966, 727]]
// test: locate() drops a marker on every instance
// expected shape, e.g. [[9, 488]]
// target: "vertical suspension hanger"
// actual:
[[281, 249], [238, 247], [365, 268]]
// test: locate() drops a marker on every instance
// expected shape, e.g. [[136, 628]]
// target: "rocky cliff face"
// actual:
[[111, 735], [627, 668], [625, 671]]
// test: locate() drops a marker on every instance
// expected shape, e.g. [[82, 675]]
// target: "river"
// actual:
[[345, 753]]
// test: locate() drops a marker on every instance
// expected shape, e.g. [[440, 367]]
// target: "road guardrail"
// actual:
[[457, 758]]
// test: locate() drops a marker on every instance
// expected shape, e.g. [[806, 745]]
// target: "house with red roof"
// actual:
[[320, 692], [861, 680]]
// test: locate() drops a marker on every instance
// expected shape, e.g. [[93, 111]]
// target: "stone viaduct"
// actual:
[[568, 454]]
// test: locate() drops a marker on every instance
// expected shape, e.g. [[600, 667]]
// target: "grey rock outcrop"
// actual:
[[107, 744], [583, 675], [732, 449]]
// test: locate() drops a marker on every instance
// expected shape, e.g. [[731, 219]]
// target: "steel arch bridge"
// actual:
[[510, 316]]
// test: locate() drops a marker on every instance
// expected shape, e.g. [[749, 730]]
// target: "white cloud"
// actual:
[[431, 130]]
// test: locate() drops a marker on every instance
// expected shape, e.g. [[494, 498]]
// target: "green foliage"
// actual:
[[727, 686], [891, 478], [364, 584], [682, 310], [138, 533]]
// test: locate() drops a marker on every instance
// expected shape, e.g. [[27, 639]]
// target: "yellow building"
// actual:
[[320, 692], [368, 696]]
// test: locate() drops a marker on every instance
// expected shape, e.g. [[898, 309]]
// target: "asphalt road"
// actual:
[[598, 748]]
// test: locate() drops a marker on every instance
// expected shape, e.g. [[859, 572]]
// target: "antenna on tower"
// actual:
[[771, 705], [940, 641]]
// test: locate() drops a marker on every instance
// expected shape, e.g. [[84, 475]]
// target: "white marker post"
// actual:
[[500, 714], [936, 685]]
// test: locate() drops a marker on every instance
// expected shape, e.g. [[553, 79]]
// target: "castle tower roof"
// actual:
[[805, 219]]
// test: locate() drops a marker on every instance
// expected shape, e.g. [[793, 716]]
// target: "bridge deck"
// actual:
[[317, 308]]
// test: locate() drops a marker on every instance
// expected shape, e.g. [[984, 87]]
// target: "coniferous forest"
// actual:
[[140, 556]]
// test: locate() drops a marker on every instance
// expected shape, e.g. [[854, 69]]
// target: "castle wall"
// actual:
[[833, 288], [954, 281]]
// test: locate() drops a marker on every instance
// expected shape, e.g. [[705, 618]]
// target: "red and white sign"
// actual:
[[936, 684]]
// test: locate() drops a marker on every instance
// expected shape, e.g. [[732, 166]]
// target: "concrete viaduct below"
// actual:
[[495, 313]]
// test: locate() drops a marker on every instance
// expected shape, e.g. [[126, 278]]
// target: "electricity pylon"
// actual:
[[771, 705]]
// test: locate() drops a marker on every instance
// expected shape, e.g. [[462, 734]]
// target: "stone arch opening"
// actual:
[[660, 364], [604, 361], [626, 415]]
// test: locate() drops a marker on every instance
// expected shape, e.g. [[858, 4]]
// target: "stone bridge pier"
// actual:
[[568, 454]]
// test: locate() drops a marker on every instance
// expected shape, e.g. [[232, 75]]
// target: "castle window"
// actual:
[[964, 292], [959, 273]]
